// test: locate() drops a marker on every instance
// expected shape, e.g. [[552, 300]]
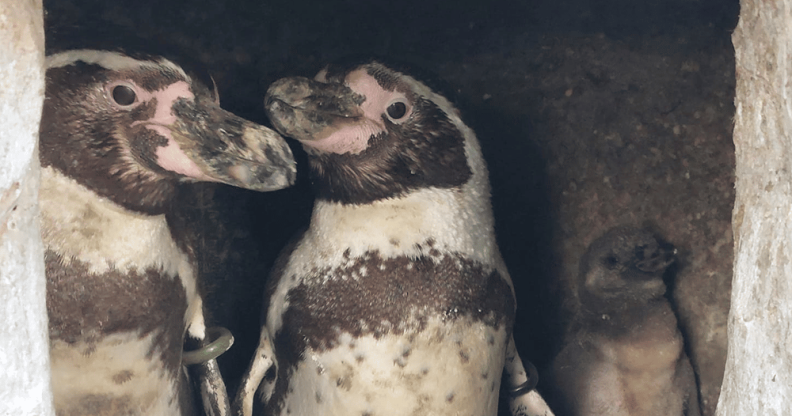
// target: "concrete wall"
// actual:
[[758, 378], [24, 355]]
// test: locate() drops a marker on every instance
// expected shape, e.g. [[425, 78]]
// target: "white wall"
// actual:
[[758, 378], [24, 355]]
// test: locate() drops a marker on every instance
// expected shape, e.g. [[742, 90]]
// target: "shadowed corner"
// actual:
[[518, 179]]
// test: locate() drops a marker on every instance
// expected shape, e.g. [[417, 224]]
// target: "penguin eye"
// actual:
[[611, 262], [640, 252], [397, 110], [124, 95]]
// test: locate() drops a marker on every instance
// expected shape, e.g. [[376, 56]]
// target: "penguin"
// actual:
[[625, 353], [120, 133], [395, 300]]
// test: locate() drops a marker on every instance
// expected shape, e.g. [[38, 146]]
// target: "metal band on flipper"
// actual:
[[223, 340], [205, 371], [530, 384]]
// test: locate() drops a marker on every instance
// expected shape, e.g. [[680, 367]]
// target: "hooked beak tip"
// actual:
[[240, 173], [275, 167]]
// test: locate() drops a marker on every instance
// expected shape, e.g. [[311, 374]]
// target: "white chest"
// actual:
[[425, 224], [445, 369], [639, 374], [120, 295], [78, 224], [410, 320], [93, 378]]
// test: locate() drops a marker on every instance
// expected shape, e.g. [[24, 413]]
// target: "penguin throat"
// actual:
[[130, 186]]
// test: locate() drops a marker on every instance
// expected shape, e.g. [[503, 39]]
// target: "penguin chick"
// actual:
[[395, 300], [625, 354], [118, 136]]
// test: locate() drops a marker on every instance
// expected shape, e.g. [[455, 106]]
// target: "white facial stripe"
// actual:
[[446, 364], [111, 60], [105, 59], [81, 370]]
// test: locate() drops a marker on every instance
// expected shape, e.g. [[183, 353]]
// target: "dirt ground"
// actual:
[[591, 114]]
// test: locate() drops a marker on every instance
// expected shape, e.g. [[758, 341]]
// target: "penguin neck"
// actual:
[[79, 224], [451, 219], [624, 317], [101, 162]]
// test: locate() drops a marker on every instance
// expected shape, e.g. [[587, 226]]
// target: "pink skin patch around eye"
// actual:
[[353, 138], [170, 157]]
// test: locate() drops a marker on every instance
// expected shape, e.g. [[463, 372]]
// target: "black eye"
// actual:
[[611, 262], [124, 95], [640, 252], [397, 110]]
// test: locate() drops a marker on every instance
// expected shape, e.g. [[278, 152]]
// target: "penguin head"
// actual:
[[374, 133], [624, 266], [132, 128]]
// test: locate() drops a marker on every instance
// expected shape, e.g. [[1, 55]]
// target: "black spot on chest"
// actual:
[[83, 306], [376, 296]]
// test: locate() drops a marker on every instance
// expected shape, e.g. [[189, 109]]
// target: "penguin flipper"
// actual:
[[524, 400], [687, 383], [214, 396], [263, 361]]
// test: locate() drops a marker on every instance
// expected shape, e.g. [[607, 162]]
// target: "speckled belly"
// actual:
[[447, 368], [115, 340], [114, 376]]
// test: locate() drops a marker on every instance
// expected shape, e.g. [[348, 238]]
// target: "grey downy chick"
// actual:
[[624, 354]]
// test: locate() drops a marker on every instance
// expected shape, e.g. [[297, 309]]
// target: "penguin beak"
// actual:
[[656, 259], [307, 109], [229, 149]]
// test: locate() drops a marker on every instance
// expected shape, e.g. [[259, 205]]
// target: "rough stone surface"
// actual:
[[759, 363], [24, 349]]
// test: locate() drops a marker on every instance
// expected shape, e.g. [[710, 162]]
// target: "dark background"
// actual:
[[590, 113]]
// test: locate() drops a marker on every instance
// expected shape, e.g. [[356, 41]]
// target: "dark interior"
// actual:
[[591, 114]]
